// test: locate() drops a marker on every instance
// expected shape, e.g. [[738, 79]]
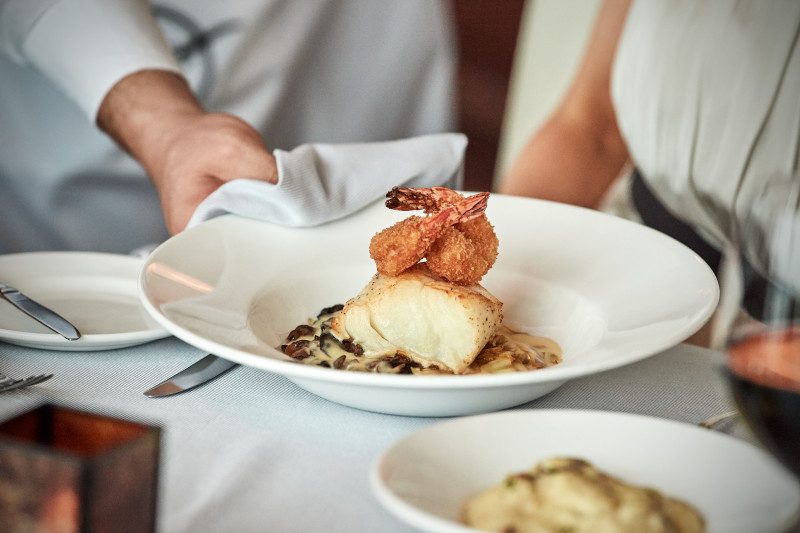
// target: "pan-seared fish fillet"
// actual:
[[421, 316]]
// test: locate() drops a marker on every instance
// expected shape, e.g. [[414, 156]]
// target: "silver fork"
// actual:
[[717, 420], [7, 384]]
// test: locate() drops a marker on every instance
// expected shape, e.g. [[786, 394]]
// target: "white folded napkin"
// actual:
[[318, 183]]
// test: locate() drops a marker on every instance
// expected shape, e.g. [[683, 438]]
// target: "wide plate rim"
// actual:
[[293, 370]]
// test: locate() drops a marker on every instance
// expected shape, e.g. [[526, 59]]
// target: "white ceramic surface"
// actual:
[[425, 478], [610, 292], [96, 292]]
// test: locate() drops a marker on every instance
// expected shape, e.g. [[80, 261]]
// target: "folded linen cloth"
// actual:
[[318, 183]]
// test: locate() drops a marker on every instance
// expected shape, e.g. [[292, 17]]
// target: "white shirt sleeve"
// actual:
[[84, 47]]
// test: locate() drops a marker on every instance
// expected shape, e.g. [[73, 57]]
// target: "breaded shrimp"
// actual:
[[465, 252], [404, 244]]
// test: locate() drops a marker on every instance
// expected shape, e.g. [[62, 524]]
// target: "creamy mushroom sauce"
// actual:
[[508, 351]]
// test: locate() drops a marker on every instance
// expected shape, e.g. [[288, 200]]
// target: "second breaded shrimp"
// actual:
[[404, 244], [465, 252]]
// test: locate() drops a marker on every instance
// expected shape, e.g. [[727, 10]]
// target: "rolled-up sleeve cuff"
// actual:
[[86, 46]]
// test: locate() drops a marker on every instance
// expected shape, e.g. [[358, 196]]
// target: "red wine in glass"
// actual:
[[764, 340], [764, 373]]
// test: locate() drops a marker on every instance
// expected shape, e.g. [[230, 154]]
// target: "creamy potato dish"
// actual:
[[564, 495]]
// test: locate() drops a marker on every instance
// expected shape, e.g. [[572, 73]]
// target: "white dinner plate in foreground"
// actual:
[[425, 478], [609, 291], [96, 292]]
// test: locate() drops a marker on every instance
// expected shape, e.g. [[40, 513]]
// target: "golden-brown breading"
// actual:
[[455, 236], [465, 252]]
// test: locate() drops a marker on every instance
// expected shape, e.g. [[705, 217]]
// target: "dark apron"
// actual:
[[763, 299]]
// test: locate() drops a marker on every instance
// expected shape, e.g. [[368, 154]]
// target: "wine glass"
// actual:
[[764, 339]]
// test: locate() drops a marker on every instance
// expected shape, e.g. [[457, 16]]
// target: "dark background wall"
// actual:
[[487, 36]]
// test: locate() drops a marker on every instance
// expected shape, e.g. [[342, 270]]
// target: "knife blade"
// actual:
[[40, 313], [203, 371]]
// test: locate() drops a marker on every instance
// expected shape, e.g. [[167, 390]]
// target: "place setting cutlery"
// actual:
[[44, 315], [199, 373], [9, 384], [719, 420]]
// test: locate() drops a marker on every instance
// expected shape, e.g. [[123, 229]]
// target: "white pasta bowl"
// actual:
[[609, 291]]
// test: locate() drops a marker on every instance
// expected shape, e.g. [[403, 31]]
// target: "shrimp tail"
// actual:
[[430, 199]]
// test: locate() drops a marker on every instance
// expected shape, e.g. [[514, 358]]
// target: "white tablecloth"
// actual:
[[253, 452]]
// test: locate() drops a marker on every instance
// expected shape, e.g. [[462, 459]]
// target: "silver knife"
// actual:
[[203, 371], [40, 313]]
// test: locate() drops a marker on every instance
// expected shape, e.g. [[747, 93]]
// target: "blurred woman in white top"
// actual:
[[701, 99]]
